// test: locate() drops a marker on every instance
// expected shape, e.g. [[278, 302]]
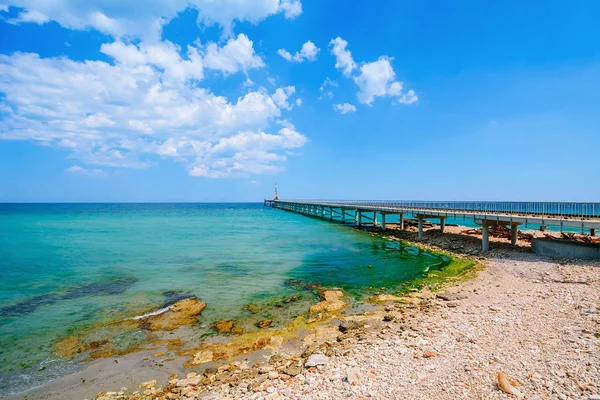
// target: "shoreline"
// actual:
[[393, 322]]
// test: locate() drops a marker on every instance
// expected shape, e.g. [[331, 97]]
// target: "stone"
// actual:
[[292, 370], [316, 358], [353, 376], [237, 330], [149, 384], [223, 326], [452, 304], [264, 323], [331, 301], [429, 354], [202, 357], [388, 318], [451, 296], [346, 326]]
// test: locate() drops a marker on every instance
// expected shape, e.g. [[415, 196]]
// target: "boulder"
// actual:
[[223, 326], [331, 301]]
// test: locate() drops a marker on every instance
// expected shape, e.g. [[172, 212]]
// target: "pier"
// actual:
[[582, 216]]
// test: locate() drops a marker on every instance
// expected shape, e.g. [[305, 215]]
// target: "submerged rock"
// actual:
[[253, 308], [346, 326], [223, 326], [332, 301]]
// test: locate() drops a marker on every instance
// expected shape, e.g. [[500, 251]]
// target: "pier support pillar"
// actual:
[[343, 215], [401, 221], [592, 231], [358, 218], [514, 230], [442, 223], [382, 220], [420, 218], [485, 239], [331, 213]]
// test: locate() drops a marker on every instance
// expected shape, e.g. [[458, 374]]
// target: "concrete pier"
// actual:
[[512, 214]]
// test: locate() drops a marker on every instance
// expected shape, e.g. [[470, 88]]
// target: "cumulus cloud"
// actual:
[[343, 57], [344, 108], [94, 173], [141, 108], [237, 54], [144, 21], [375, 79], [281, 96], [308, 52]]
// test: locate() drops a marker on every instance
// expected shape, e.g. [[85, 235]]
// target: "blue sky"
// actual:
[[197, 100]]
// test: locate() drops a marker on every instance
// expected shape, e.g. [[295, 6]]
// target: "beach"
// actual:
[[532, 318]]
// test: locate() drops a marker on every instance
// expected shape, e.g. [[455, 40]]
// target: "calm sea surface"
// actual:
[[67, 267]]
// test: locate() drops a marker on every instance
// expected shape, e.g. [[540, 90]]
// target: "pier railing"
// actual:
[[563, 210]]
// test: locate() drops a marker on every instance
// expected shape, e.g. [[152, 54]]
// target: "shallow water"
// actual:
[[64, 268]]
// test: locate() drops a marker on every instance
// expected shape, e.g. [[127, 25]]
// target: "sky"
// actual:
[[210, 101]]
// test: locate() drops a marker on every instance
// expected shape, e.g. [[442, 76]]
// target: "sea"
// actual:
[[65, 268]]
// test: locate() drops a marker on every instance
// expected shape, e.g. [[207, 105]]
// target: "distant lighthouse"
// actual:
[[276, 196]]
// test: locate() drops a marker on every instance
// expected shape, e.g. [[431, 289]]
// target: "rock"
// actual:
[[346, 326], [452, 304], [150, 384], [316, 358], [237, 330], [264, 323], [332, 301], [194, 381], [388, 297], [451, 296], [292, 370], [353, 376], [429, 354], [265, 369], [253, 308], [183, 312], [203, 357], [223, 326], [273, 375], [388, 318], [594, 397]]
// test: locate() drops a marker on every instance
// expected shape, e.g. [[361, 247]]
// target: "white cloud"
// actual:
[[345, 108], [281, 96], [409, 98], [291, 8], [298, 102], [237, 54], [308, 52], [343, 57], [94, 173], [139, 109], [3, 8], [130, 18], [376, 79], [323, 89]]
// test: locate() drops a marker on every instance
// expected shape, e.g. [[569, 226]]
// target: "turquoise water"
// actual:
[[66, 267]]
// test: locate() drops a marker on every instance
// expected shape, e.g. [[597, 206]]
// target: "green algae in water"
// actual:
[[65, 269]]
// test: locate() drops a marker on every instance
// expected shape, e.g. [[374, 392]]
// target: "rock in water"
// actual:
[[316, 358], [264, 323], [332, 301], [223, 326]]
